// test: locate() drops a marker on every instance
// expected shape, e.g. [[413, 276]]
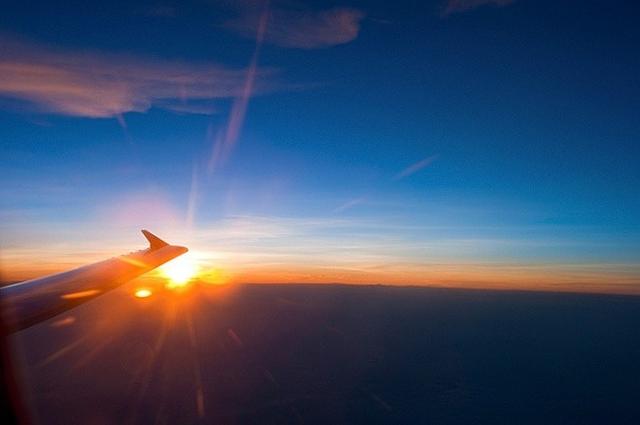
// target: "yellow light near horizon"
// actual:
[[143, 293], [214, 276], [179, 271]]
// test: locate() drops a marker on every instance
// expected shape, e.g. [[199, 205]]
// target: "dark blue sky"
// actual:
[[371, 140]]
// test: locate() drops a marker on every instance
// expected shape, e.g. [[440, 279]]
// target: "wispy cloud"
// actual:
[[302, 29], [414, 168], [107, 85], [182, 107], [457, 6], [224, 145], [350, 204]]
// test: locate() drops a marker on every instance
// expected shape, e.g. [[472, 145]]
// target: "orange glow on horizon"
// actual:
[[471, 276], [215, 268]]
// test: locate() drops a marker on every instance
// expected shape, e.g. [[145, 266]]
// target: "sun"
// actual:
[[180, 271]]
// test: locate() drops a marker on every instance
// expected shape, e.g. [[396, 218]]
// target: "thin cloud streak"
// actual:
[[302, 29], [459, 6], [192, 202], [107, 85], [225, 145], [414, 168], [350, 204], [182, 107]]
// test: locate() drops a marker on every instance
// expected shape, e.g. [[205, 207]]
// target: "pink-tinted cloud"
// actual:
[[414, 168], [108, 85], [456, 6], [302, 29]]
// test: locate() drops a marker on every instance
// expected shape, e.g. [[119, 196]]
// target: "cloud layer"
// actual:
[[302, 29], [107, 85]]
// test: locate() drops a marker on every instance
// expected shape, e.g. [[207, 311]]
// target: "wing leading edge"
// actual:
[[28, 303]]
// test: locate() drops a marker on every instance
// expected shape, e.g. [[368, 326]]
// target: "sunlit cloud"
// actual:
[[98, 85], [457, 6], [414, 168], [302, 29]]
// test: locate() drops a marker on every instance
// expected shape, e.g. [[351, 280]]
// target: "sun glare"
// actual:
[[179, 271]]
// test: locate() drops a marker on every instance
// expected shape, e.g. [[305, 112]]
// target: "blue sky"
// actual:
[[445, 142]]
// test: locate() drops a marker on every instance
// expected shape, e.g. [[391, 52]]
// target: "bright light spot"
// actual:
[[143, 293], [179, 271]]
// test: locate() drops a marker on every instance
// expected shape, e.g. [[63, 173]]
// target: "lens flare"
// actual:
[[180, 271], [143, 293]]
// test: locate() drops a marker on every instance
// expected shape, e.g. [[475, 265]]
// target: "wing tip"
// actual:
[[154, 241]]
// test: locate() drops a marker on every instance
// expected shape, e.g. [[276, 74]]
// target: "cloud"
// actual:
[[414, 168], [302, 29], [223, 147], [107, 85], [182, 107], [350, 204], [456, 6]]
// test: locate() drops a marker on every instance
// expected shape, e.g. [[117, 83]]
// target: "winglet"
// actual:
[[154, 241]]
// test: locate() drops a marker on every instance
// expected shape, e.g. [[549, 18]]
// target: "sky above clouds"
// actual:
[[487, 143]]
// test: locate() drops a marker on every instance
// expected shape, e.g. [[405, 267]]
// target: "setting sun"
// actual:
[[179, 271]]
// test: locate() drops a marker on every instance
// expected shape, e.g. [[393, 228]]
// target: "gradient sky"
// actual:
[[488, 143]]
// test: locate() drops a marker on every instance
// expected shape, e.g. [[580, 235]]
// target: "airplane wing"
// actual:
[[27, 303]]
